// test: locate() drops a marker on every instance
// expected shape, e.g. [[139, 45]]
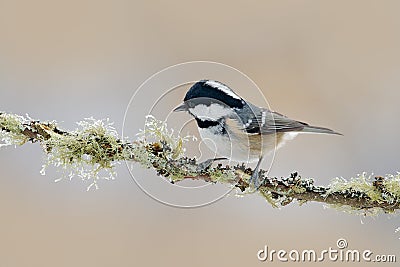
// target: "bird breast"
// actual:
[[237, 145]]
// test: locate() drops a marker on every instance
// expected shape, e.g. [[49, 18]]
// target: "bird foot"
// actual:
[[255, 180], [204, 165]]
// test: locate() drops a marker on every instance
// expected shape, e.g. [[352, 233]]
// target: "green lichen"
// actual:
[[362, 184], [159, 147], [12, 129], [270, 198], [377, 190], [298, 189], [392, 186], [157, 131], [222, 175], [142, 155], [87, 152]]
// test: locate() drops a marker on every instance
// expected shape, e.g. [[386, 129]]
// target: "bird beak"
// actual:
[[181, 107]]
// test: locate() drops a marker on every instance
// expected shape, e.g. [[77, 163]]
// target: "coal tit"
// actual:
[[237, 129]]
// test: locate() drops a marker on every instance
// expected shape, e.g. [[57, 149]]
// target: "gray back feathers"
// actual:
[[257, 120]]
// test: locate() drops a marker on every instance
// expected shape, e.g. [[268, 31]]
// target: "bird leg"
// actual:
[[255, 176]]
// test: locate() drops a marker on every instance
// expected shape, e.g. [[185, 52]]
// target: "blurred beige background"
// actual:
[[331, 63]]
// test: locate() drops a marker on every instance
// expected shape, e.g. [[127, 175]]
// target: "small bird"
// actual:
[[237, 129]]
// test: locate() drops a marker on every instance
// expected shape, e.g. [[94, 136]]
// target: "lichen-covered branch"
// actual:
[[95, 147]]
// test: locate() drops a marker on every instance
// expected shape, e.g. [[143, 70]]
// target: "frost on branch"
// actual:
[[93, 149]]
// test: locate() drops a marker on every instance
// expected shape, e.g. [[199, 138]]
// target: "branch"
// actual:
[[95, 147]]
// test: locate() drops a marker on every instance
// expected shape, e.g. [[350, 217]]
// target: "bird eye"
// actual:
[[190, 104]]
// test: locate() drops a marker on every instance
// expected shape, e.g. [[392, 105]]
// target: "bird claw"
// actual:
[[255, 180], [203, 166]]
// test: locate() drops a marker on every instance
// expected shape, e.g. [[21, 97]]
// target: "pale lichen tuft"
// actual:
[[90, 152], [157, 131], [12, 126], [356, 187]]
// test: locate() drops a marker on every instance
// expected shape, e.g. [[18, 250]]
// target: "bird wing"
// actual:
[[261, 120], [277, 122], [264, 121]]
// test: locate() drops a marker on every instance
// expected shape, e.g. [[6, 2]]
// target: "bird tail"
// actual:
[[317, 129]]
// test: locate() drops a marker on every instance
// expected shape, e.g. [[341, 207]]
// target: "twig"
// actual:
[[98, 146]]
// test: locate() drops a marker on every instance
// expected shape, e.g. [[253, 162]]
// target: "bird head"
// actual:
[[210, 100]]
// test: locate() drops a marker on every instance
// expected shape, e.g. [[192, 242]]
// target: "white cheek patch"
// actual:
[[223, 88], [212, 112]]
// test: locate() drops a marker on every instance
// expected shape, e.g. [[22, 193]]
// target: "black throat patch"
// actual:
[[206, 123]]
